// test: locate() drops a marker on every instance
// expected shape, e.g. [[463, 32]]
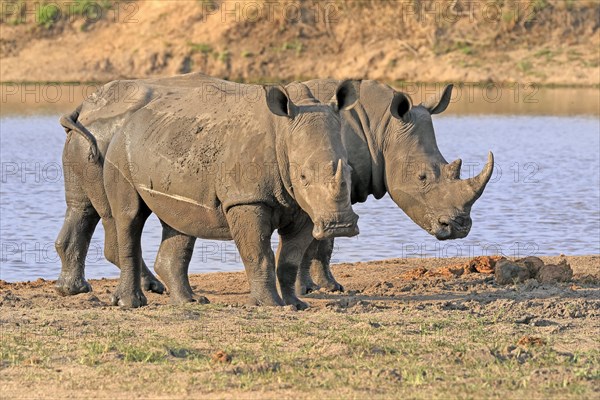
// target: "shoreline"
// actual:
[[582, 264], [470, 98], [413, 262]]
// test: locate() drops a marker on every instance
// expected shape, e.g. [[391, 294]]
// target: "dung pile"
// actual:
[[507, 272], [482, 265], [504, 270]]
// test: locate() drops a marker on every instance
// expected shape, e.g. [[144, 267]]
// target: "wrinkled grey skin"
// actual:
[[392, 149], [172, 152], [390, 144]]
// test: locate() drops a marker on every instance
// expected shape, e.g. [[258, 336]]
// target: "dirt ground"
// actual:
[[404, 328]]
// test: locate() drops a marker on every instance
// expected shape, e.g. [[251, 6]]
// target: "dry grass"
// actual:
[[435, 338], [410, 40]]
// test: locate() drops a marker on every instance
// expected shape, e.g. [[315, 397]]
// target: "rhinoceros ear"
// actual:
[[438, 105], [346, 95], [279, 101], [400, 106]]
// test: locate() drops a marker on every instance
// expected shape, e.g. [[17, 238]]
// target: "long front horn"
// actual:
[[478, 183]]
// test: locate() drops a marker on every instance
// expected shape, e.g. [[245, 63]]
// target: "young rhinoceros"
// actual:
[[183, 155], [392, 149]]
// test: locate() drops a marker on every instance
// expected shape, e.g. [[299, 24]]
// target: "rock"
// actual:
[[507, 272], [533, 264], [552, 273]]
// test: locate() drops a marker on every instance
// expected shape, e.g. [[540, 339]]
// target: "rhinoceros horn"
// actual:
[[477, 183], [452, 170], [338, 172]]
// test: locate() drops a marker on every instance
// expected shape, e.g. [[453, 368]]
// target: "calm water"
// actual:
[[543, 199]]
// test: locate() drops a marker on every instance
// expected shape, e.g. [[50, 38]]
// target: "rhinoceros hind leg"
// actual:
[[130, 214], [111, 251], [149, 282], [250, 227], [319, 267], [72, 246], [305, 285], [293, 243], [128, 293], [172, 262]]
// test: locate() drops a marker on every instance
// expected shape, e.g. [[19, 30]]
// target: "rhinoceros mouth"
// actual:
[[455, 227], [341, 225]]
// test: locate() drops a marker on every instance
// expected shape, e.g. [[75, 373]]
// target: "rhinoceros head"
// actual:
[[417, 176], [318, 173]]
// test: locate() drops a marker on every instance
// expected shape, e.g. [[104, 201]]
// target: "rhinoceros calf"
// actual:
[[178, 150], [392, 149]]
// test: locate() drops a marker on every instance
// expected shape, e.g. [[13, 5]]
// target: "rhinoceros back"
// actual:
[[200, 146]]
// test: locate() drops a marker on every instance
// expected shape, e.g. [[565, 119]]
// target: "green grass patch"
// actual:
[[201, 48], [525, 66]]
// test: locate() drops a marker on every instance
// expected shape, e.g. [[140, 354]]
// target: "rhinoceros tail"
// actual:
[[70, 123]]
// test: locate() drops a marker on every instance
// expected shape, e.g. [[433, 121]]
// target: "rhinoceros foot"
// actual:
[[306, 286], [185, 298], [201, 299], [151, 284], [332, 286], [128, 298], [266, 300], [295, 301], [70, 287], [326, 280]]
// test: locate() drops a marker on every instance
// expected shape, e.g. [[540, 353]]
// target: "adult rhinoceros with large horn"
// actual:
[[392, 149], [178, 149]]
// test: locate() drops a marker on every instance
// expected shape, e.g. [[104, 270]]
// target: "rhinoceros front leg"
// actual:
[[319, 266], [250, 227], [172, 263], [290, 252], [304, 282]]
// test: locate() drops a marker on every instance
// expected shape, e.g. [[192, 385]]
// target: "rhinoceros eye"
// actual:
[[422, 176], [303, 179]]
